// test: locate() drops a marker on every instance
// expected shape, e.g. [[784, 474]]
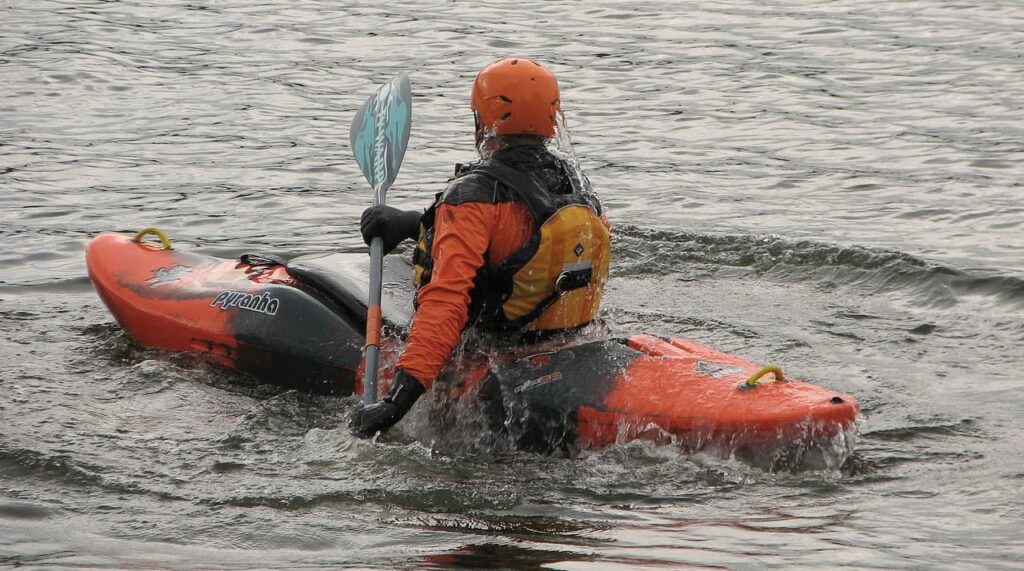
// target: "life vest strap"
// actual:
[[566, 281]]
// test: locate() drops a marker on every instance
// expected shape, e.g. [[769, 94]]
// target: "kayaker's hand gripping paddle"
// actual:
[[380, 133]]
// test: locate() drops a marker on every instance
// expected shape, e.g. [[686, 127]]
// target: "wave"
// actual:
[[644, 252], [68, 469]]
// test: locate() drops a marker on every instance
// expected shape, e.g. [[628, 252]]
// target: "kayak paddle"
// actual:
[[379, 134]]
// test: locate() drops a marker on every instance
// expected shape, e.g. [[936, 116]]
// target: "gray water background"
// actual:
[[833, 186]]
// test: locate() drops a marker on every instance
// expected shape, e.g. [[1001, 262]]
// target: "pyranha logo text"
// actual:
[[261, 303]]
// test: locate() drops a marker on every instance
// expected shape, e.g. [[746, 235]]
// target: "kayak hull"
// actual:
[[301, 326]]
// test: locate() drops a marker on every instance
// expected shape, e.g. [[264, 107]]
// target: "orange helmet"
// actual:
[[515, 96]]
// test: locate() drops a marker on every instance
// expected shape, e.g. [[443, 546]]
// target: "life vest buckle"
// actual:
[[573, 279]]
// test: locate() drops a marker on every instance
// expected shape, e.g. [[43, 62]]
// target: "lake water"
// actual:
[[833, 186]]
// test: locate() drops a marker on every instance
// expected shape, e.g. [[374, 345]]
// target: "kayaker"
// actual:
[[516, 246]]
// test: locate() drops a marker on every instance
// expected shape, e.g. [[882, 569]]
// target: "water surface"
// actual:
[[832, 186]]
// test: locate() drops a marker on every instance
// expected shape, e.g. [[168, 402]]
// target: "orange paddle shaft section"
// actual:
[[373, 325]]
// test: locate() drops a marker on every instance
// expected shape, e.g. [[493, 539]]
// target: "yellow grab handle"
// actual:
[[752, 381], [157, 232]]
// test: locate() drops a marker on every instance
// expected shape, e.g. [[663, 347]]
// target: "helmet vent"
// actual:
[[505, 116], [504, 99], [515, 61]]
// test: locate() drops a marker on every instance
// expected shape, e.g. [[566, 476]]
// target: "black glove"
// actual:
[[390, 224], [378, 417]]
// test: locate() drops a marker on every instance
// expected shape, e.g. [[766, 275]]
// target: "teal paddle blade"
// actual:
[[380, 133]]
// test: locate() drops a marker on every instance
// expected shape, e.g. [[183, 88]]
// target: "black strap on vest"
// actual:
[[582, 278], [538, 199]]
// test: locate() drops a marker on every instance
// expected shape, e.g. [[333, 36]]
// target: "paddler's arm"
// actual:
[[462, 235]]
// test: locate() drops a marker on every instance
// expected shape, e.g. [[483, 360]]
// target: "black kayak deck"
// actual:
[[345, 279]]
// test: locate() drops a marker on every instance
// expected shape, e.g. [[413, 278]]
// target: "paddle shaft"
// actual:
[[373, 314], [373, 321]]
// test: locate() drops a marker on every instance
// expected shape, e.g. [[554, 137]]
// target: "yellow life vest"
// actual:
[[555, 280]]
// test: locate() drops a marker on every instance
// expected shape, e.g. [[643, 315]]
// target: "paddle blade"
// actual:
[[380, 133]]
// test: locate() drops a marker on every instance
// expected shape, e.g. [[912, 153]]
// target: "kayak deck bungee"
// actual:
[[300, 325]]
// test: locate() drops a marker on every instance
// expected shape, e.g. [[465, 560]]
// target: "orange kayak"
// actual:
[[300, 325]]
